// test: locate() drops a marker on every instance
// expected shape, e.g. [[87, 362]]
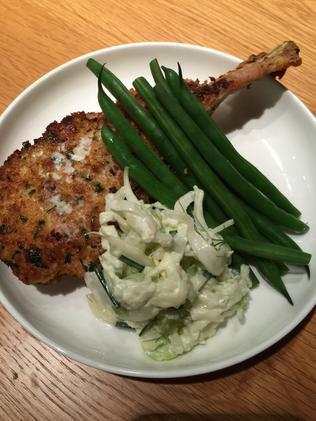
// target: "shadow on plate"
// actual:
[[247, 104], [65, 286]]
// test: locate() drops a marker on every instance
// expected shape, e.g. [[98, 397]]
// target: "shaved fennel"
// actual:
[[168, 271]]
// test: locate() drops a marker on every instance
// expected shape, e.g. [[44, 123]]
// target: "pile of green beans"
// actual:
[[185, 144], [137, 144], [196, 110]]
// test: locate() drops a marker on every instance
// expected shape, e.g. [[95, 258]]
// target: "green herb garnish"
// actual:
[[38, 227], [99, 272], [98, 188], [123, 325], [23, 219], [131, 263]]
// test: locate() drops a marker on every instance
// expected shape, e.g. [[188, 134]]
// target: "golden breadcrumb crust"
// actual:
[[50, 202]]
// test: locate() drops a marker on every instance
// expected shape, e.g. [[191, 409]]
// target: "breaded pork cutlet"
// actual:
[[53, 191]]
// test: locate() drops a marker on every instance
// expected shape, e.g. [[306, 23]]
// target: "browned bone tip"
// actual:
[[275, 63]]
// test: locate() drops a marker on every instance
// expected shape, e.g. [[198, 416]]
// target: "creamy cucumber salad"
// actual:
[[164, 273]]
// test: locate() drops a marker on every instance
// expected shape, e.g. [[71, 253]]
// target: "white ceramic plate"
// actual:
[[267, 124]]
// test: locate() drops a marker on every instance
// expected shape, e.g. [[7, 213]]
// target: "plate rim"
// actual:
[[147, 373]]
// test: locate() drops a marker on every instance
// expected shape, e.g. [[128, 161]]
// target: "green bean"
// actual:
[[156, 71], [222, 166], [137, 144], [273, 233], [271, 273], [275, 239], [270, 230], [237, 261], [261, 249], [269, 251], [196, 110], [212, 184], [137, 171], [283, 269]]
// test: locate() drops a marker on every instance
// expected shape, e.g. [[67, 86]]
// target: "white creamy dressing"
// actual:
[[184, 288]]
